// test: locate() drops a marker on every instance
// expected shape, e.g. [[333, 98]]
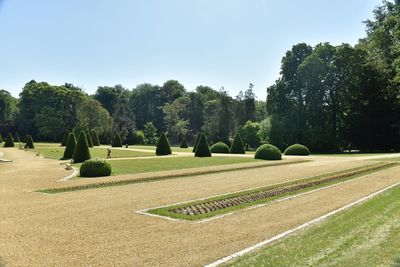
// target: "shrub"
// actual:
[[163, 147], [89, 140], [220, 147], [17, 139], [184, 143], [95, 168], [268, 152], [64, 139], [95, 138], [9, 141], [202, 149], [117, 141], [1, 139], [297, 150], [136, 138], [81, 152], [29, 142], [196, 142], [237, 145], [71, 144]]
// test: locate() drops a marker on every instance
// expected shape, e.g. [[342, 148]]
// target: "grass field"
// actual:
[[165, 164], [57, 152], [367, 235]]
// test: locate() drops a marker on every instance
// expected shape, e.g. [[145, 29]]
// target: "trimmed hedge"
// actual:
[[237, 145], [9, 142], [163, 147], [64, 139], [117, 141], [89, 140], [1, 139], [202, 149], [268, 152], [29, 142], [184, 143], [17, 139], [71, 144], [81, 152], [95, 138], [95, 168], [196, 142], [220, 147], [297, 150]]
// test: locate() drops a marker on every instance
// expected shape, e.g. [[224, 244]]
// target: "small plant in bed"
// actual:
[[268, 152], [297, 150], [95, 168]]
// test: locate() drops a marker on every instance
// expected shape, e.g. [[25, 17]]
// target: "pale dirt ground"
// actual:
[[100, 227]]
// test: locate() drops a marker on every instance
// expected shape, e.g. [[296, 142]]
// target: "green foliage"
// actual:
[[117, 141], [163, 147], [69, 149], [95, 138], [136, 138], [150, 133], [173, 117], [196, 142], [237, 146], [184, 143], [9, 142], [1, 139], [268, 152], [220, 147], [8, 107], [65, 139], [81, 152], [89, 139], [29, 142], [95, 168], [250, 133], [297, 150], [17, 139], [202, 149]]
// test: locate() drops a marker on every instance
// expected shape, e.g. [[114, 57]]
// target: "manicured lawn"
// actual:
[[173, 148], [57, 152], [171, 163], [366, 235]]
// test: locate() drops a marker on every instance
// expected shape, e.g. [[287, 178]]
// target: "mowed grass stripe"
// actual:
[[163, 177], [368, 234], [206, 208]]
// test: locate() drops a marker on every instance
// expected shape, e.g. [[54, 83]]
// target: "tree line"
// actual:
[[327, 97]]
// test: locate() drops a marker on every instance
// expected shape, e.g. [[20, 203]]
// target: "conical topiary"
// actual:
[[95, 138], [89, 140], [117, 141], [17, 139], [9, 142], [237, 145], [64, 139], [29, 142], [163, 147], [81, 152], [202, 149], [71, 144], [184, 144], [196, 142], [1, 139]]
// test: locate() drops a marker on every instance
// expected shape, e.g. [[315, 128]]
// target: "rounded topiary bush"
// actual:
[[64, 139], [220, 147], [297, 150], [9, 142], [237, 145], [163, 147], [29, 142], [95, 138], [95, 168], [268, 152], [81, 152], [184, 144], [117, 141], [202, 149], [69, 149]]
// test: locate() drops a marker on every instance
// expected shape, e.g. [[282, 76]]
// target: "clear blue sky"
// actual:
[[218, 43]]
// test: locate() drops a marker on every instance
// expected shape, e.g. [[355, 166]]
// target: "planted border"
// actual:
[[218, 205], [159, 177]]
